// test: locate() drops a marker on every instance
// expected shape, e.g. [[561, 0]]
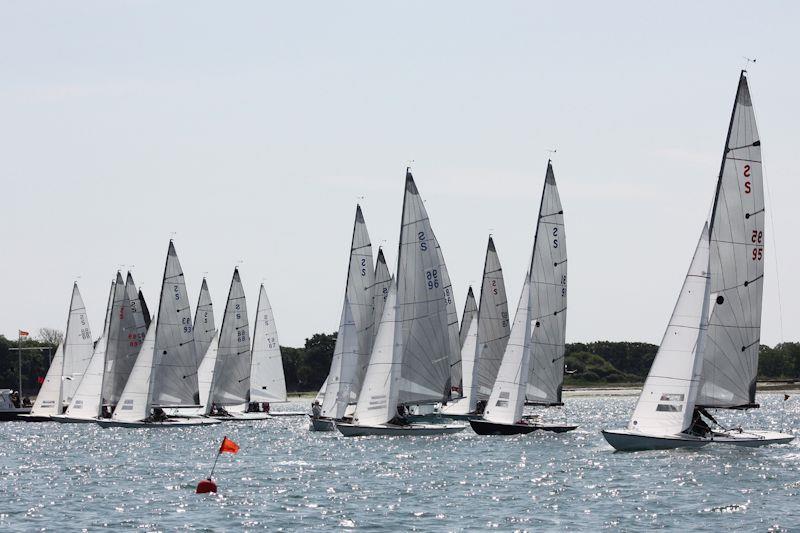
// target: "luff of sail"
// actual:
[[549, 298], [175, 381], [230, 384], [78, 347], [267, 380], [87, 402], [494, 325], [737, 265], [470, 312], [508, 394], [666, 403], [421, 306]]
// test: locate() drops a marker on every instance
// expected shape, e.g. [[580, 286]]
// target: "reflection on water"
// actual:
[[81, 476]]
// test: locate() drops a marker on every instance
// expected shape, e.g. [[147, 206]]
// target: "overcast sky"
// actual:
[[251, 129]]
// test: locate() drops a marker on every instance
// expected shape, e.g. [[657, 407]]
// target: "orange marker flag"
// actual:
[[228, 446], [23, 333]]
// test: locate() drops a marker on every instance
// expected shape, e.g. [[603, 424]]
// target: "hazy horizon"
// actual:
[[248, 133]]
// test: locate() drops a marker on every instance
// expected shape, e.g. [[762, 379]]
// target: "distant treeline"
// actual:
[[601, 362]]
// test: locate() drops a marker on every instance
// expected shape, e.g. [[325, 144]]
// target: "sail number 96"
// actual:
[[432, 276]]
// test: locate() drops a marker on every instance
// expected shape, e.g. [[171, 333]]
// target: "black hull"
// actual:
[[484, 427]]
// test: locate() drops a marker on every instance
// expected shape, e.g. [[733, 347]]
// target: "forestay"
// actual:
[[175, 383], [267, 381], [508, 394], [470, 312], [737, 265], [422, 306], [78, 347], [230, 384], [666, 403], [493, 324], [548, 298], [87, 402]]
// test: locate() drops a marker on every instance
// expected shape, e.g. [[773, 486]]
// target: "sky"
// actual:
[[248, 131]]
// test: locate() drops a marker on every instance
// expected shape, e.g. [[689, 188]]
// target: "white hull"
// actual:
[[288, 413], [390, 430], [624, 440], [752, 438], [183, 422]]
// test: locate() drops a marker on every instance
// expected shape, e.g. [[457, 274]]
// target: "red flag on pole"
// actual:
[[228, 446], [23, 333]]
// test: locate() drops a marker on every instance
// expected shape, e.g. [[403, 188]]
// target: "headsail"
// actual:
[[667, 401], [382, 281], [145, 310], [135, 401], [267, 381], [230, 384], [205, 337], [175, 381], [456, 372], [494, 325], [422, 306], [470, 312], [87, 402], [339, 390], [78, 347], [48, 401], [730, 362], [508, 394], [548, 298]]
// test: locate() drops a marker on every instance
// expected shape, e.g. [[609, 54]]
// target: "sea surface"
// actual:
[[71, 477]]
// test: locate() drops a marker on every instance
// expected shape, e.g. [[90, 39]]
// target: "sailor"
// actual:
[[316, 409], [265, 407]]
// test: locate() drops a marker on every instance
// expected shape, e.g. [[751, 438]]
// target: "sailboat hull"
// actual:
[[484, 427], [752, 438], [64, 419], [33, 418], [242, 417], [321, 424], [390, 430], [184, 422], [7, 415], [632, 441]]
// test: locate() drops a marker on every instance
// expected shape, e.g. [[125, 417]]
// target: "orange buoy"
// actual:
[[206, 486]]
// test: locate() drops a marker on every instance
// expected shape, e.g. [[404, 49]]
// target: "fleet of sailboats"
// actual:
[[402, 362]]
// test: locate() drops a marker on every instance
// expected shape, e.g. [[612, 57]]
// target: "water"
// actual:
[[60, 477]]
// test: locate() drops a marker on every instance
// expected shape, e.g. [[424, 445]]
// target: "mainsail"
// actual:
[[508, 394], [87, 402], [548, 299], [382, 281], [667, 400], [493, 325], [267, 381], [730, 362], [470, 312], [230, 384], [175, 381], [205, 338], [78, 347], [456, 372]]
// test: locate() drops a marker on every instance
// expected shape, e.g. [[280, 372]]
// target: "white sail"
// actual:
[[730, 362], [469, 352], [206, 341], [470, 312], [135, 401], [175, 382], [48, 401], [231, 381], [549, 298], [359, 292], [508, 394], [422, 306], [667, 400], [339, 391], [494, 325], [78, 347], [382, 281], [456, 372], [321, 394], [379, 396], [267, 381], [87, 401]]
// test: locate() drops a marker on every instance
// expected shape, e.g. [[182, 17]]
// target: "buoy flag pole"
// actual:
[[207, 485]]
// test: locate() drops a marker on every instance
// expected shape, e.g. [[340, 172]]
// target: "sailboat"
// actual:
[[487, 331], [469, 314], [164, 376], [354, 338], [267, 379], [86, 405], [534, 366], [383, 279], [205, 342], [412, 354], [68, 365]]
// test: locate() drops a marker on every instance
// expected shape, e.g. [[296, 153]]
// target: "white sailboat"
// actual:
[[355, 337], [267, 379], [485, 340], [383, 280], [68, 365], [411, 357], [164, 376], [86, 405], [730, 361], [540, 359]]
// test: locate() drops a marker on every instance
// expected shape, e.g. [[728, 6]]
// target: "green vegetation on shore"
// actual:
[[594, 363]]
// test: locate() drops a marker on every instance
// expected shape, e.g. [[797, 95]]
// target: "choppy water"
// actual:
[[59, 477]]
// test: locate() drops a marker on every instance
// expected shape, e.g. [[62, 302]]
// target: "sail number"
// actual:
[[747, 184], [238, 314], [423, 241], [494, 287], [432, 276], [564, 287], [758, 253], [187, 324], [555, 237], [363, 269], [177, 292], [447, 299], [241, 336]]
